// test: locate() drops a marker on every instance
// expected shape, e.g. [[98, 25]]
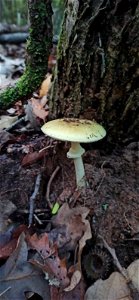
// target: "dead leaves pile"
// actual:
[[40, 263], [35, 262]]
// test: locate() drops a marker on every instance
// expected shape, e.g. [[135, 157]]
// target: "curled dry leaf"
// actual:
[[86, 236], [38, 109], [75, 279], [31, 158], [45, 86]]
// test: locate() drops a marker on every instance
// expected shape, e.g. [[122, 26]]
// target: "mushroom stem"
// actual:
[[76, 152], [80, 172]]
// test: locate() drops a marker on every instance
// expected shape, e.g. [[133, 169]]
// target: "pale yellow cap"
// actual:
[[74, 130]]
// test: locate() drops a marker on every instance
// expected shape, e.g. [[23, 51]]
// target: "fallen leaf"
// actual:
[[31, 158], [45, 86], [8, 240], [75, 279], [41, 244], [8, 248], [113, 288], [87, 235], [38, 109], [76, 226], [17, 276], [55, 268], [52, 263], [77, 293], [7, 121]]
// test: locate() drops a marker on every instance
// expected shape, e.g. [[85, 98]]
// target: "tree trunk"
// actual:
[[97, 74], [38, 50]]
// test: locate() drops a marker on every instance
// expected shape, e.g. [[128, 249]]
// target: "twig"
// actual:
[[15, 123], [49, 185], [36, 211], [50, 146], [32, 199], [38, 220], [5, 291]]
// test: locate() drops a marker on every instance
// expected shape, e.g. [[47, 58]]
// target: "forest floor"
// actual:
[[35, 174]]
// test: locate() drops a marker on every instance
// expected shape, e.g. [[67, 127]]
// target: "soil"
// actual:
[[112, 192]]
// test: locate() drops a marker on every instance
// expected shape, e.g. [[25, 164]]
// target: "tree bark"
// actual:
[[38, 50], [97, 75]]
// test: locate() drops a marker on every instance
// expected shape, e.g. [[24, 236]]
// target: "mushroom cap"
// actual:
[[74, 130]]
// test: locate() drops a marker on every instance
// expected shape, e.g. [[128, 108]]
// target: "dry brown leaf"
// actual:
[[8, 240], [114, 288], [38, 109], [75, 279], [41, 244], [31, 158], [87, 235], [76, 294], [53, 265], [77, 227], [45, 86]]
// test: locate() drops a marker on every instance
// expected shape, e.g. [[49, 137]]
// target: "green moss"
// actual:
[[38, 49]]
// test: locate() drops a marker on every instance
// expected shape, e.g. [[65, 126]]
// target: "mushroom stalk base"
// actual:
[[80, 173]]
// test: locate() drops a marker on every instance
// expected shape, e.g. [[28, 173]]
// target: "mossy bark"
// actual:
[[97, 75], [38, 49]]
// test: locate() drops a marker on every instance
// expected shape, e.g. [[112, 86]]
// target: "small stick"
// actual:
[[32, 199], [1, 294], [38, 220], [49, 185], [15, 123], [45, 148], [36, 211]]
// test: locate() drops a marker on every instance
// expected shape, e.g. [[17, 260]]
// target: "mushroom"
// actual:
[[75, 131]]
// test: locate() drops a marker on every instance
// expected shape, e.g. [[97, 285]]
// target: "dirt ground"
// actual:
[[112, 194]]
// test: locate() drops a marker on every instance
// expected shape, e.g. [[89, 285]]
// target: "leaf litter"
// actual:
[[18, 276]]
